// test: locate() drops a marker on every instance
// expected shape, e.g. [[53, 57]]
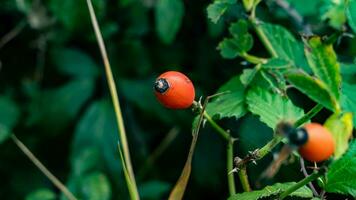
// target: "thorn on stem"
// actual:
[[204, 122], [235, 170]]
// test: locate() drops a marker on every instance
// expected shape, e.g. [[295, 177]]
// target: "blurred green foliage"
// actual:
[[54, 96]]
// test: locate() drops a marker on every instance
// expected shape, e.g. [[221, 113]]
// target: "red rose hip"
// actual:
[[174, 90], [320, 144]]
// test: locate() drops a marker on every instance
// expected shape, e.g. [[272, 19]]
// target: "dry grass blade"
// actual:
[[12, 34], [131, 183], [43, 168], [179, 189]]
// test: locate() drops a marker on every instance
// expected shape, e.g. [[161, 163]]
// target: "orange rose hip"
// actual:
[[320, 145], [174, 90]]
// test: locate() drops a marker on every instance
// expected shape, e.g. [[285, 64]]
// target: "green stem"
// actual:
[[263, 38], [333, 38], [260, 32], [253, 59], [230, 166], [130, 180], [315, 110], [216, 126], [268, 147], [230, 152], [277, 139], [301, 183], [244, 179], [253, 10]]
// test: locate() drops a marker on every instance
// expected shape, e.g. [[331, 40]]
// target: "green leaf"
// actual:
[[313, 88], [239, 31], [74, 62], [306, 7], [87, 160], [229, 48], [240, 43], [9, 115], [348, 73], [273, 190], [348, 68], [41, 194], [218, 8], [239, 28], [348, 99], [334, 13], [154, 189], [340, 126], [168, 15], [341, 176], [248, 4], [229, 104], [74, 15], [351, 14], [54, 109], [98, 132], [271, 107], [96, 186], [285, 45], [323, 61], [269, 79], [248, 75], [276, 64]]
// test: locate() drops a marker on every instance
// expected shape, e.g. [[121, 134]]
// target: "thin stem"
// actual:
[[43, 168], [302, 165], [181, 185], [230, 165], [253, 10], [301, 183], [315, 110], [13, 33], [216, 126], [322, 194], [263, 38], [260, 32], [253, 59], [115, 99], [268, 147], [277, 139], [262, 152], [244, 179], [230, 150]]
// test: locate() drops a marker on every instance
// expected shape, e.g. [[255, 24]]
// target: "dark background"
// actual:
[[53, 79]]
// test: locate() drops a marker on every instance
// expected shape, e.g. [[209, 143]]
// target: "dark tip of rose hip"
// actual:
[[161, 85], [284, 128], [298, 137]]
